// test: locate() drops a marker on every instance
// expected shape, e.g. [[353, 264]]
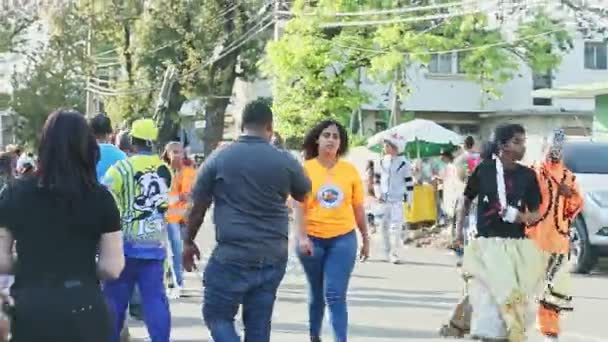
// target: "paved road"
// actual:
[[390, 303]]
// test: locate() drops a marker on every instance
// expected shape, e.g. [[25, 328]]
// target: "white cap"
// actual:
[[396, 141]]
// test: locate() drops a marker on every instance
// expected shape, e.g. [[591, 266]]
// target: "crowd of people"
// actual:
[[103, 222]]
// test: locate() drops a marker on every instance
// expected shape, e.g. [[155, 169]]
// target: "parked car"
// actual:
[[589, 234]]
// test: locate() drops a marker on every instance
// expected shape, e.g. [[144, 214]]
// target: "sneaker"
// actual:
[[175, 293], [551, 339], [394, 259], [387, 257]]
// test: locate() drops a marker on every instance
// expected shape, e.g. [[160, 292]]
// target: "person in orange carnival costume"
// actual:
[[561, 203]]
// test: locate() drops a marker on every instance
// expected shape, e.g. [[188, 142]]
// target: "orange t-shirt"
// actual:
[[335, 192], [182, 184]]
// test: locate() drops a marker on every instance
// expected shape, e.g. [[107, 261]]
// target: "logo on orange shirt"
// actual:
[[330, 196]]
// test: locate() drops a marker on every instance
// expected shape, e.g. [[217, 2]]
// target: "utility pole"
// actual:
[[164, 95], [277, 25], [356, 114], [89, 110], [162, 104], [396, 102]]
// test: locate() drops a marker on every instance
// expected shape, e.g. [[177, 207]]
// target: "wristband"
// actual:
[[510, 214]]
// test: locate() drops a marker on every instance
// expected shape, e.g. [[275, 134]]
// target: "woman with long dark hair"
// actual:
[[61, 218], [327, 220], [506, 268]]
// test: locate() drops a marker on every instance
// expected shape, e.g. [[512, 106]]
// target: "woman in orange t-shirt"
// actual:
[[327, 219], [179, 197]]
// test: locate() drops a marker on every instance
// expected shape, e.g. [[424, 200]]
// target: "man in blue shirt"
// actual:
[[109, 154]]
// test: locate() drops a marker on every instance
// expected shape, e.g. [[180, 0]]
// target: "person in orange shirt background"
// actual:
[[561, 203], [184, 176], [327, 241]]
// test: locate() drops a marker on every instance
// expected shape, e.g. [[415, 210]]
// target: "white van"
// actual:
[[589, 234]]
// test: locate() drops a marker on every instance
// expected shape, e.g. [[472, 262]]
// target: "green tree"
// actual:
[[53, 77], [314, 63], [210, 43], [13, 26]]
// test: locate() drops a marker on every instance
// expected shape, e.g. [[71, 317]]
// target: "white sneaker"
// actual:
[[551, 339], [387, 257], [175, 293], [394, 259]]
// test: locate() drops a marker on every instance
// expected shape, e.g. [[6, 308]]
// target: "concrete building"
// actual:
[[442, 93], [596, 91]]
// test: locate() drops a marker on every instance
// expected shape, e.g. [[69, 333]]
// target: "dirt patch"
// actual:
[[433, 236]]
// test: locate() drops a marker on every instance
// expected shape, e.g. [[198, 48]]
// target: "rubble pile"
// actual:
[[435, 237]]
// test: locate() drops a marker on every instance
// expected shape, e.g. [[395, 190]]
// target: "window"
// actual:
[[461, 56], [446, 63], [596, 55], [469, 129], [441, 64], [579, 131], [542, 81], [586, 157], [380, 126]]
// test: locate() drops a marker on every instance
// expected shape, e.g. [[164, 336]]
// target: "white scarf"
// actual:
[[508, 213]]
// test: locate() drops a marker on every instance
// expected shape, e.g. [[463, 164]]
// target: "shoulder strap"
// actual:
[[401, 165]]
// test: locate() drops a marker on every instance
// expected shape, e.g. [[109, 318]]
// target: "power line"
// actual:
[[261, 12], [107, 91], [400, 10], [232, 47], [237, 43], [220, 22], [453, 5], [472, 48]]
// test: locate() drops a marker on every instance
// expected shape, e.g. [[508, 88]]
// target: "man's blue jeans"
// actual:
[[175, 239], [148, 275], [328, 271], [229, 285]]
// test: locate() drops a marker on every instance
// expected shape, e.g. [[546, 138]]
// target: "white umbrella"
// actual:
[[417, 130]]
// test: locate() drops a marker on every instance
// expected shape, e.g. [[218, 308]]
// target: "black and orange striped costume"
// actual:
[[552, 234]]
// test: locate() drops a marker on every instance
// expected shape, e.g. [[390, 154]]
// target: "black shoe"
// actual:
[[315, 339]]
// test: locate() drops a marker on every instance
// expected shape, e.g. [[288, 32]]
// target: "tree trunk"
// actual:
[[222, 81], [127, 52]]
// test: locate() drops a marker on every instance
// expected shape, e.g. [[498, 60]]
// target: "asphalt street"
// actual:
[[387, 303]]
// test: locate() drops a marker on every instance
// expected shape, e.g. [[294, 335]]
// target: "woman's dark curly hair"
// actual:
[[310, 145]]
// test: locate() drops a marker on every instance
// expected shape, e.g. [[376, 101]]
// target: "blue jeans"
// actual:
[[177, 247], [227, 286], [148, 275], [328, 271]]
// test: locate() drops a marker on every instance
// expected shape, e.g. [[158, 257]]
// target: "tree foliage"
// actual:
[[53, 76], [192, 36], [314, 66], [13, 26]]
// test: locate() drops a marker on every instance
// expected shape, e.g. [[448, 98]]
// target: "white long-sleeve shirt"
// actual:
[[396, 180]]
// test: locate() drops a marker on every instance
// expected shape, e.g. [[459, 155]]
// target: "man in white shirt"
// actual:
[[396, 186]]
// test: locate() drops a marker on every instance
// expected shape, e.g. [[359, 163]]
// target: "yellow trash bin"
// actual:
[[424, 206]]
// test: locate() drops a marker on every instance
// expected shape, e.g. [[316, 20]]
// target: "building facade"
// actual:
[[442, 93]]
